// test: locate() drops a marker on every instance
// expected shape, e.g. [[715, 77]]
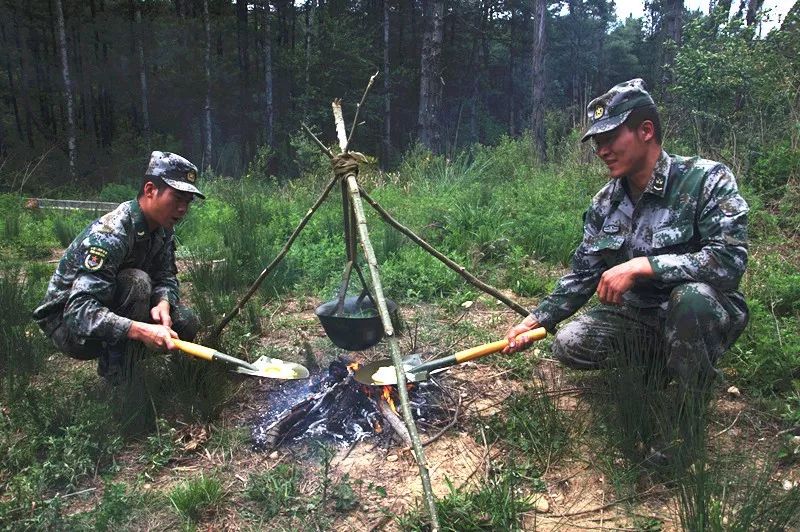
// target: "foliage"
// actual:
[[275, 490], [532, 424], [496, 505], [195, 497]]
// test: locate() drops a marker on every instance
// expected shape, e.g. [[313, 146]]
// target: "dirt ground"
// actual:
[[577, 495]]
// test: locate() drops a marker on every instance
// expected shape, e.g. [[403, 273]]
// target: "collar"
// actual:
[[658, 181], [140, 222]]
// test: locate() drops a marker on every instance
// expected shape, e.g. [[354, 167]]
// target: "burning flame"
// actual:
[[387, 396], [353, 366]]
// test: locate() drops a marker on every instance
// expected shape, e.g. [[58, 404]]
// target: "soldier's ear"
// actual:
[[647, 131], [150, 189]]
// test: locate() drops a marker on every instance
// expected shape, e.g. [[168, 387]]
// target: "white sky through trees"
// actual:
[[777, 10]]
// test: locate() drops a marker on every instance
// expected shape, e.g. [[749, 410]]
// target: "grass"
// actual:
[[496, 505], [197, 497], [59, 427], [275, 491]]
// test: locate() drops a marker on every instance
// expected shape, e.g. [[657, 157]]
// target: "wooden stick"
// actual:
[[319, 142], [341, 134], [386, 320], [394, 350], [394, 420], [460, 270], [214, 341], [358, 109]]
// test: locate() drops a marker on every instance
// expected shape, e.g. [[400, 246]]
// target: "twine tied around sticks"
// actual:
[[347, 163]]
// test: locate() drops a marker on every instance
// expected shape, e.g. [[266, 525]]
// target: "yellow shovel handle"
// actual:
[[487, 349], [200, 351]]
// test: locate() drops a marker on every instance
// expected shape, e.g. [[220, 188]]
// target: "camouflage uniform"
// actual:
[[113, 273], [691, 224]]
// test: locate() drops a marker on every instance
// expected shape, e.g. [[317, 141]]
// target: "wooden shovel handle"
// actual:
[[487, 349], [207, 353]]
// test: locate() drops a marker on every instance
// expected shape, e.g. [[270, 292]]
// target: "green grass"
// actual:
[[197, 497], [275, 491], [496, 505]]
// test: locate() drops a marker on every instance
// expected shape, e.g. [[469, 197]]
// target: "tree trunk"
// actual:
[[311, 9], [139, 34], [269, 132], [537, 118], [753, 7], [511, 90], [387, 97], [208, 145], [12, 96], [72, 143], [430, 83]]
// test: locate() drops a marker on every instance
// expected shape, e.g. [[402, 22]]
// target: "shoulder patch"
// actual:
[[95, 257]]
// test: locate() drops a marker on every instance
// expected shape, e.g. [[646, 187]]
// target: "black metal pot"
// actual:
[[358, 326]]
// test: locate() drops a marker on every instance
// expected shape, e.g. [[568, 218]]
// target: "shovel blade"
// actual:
[[274, 368]]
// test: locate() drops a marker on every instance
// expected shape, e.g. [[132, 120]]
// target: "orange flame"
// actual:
[[353, 366], [387, 396]]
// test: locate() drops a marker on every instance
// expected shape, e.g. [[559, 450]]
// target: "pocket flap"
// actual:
[[672, 236]]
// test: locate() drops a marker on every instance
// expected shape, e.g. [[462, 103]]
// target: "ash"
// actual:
[[332, 406]]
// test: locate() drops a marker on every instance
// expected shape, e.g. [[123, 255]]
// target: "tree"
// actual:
[[72, 143], [208, 145], [538, 82], [430, 80]]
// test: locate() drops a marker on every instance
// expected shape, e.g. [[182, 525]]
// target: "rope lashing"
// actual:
[[344, 164]]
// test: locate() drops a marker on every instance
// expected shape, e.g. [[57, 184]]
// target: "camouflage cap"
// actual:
[[608, 111], [174, 170]]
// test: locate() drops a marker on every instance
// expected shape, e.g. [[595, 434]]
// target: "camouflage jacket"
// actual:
[[690, 222], [81, 290]]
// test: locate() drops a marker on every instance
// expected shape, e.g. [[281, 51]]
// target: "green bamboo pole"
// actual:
[[394, 348]]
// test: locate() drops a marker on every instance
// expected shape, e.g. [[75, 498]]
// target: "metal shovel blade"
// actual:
[[275, 368], [382, 372]]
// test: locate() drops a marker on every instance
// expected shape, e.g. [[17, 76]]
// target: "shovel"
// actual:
[[271, 368], [382, 372]]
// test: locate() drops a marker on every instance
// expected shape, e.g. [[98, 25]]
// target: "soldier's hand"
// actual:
[[515, 345], [161, 314], [155, 336], [617, 280]]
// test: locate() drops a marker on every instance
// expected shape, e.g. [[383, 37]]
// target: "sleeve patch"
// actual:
[[95, 257]]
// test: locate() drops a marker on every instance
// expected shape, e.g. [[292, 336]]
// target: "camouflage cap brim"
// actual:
[[184, 187], [601, 126]]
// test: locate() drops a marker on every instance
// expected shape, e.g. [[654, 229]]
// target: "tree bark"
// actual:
[[539, 43], [269, 131], [753, 7], [9, 73], [311, 11], [430, 83], [138, 33], [387, 97], [208, 145], [72, 144]]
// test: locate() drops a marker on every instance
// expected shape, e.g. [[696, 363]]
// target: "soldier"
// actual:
[[117, 280], [664, 247]]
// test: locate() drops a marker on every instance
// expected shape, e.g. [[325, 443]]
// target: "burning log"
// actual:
[[337, 407], [389, 413]]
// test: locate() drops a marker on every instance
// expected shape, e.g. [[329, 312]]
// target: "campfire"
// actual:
[[333, 406]]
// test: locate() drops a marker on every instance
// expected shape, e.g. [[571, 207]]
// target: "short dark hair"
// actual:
[[640, 114], [157, 181]]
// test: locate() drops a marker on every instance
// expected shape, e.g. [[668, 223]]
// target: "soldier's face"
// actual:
[[169, 206], [622, 150]]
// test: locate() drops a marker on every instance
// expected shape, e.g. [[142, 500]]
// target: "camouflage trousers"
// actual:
[[132, 300], [684, 340]]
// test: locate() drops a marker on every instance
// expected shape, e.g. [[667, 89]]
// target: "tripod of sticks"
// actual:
[[345, 168]]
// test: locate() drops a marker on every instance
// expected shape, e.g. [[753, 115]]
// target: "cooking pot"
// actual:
[[358, 326]]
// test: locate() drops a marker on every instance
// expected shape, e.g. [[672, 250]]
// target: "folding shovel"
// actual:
[[271, 368], [382, 372]]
